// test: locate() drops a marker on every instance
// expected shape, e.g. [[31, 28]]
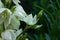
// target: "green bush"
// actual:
[[50, 18]]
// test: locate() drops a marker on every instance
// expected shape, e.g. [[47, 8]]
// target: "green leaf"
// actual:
[[22, 37], [8, 1], [1, 28], [42, 37], [38, 26], [40, 14]]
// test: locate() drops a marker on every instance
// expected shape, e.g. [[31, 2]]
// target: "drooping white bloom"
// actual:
[[4, 13], [30, 20], [19, 12], [8, 35]]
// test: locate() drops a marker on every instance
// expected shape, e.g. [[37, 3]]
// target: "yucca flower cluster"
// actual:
[[10, 20]]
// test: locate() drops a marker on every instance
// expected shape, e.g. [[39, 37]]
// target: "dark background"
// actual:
[[50, 19]]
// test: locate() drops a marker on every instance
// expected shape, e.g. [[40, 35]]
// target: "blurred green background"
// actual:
[[50, 19]]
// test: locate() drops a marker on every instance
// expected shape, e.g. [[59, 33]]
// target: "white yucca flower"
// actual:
[[3, 9], [30, 20], [8, 35], [19, 12], [4, 16], [9, 20], [11, 34]]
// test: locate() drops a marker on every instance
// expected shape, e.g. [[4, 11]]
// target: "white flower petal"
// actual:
[[1, 10], [8, 1], [19, 12], [12, 34], [18, 32], [4, 12], [30, 20], [35, 19], [6, 35], [1, 4], [16, 1]]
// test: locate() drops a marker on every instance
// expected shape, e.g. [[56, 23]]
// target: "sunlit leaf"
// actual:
[[38, 26], [40, 14]]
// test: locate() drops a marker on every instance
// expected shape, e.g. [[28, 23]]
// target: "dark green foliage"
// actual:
[[50, 19]]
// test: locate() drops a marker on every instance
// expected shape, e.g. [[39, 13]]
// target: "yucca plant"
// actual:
[[11, 16]]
